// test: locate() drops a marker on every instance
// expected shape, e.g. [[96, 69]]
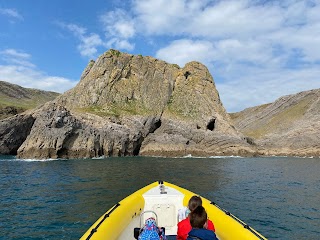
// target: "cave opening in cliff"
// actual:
[[137, 146], [136, 150], [155, 126], [211, 124], [187, 74]]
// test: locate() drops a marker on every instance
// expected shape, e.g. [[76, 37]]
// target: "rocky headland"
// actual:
[[127, 105], [290, 126]]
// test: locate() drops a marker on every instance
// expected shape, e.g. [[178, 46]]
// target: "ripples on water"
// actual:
[[60, 199]]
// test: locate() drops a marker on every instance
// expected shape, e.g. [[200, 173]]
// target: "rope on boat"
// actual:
[[95, 229], [246, 226]]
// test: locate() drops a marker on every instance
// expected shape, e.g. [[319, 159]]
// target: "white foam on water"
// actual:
[[101, 157], [231, 156], [35, 160]]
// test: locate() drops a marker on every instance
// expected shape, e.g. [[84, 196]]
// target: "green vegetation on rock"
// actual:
[[115, 52], [130, 108], [282, 120], [281, 116]]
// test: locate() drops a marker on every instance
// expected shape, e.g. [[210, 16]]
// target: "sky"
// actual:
[[256, 50]]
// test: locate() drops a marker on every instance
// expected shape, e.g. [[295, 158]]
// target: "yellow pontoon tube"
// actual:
[[163, 200]]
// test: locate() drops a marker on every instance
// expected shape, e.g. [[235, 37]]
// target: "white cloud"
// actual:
[[119, 44], [15, 53], [119, 27], [204, 18], [89, 43], [185, 50], [260, 87], [227, 51], [12, 56], [160, 16], [118, 23], [11, 13], [21, 71], [77, 30], [294, 25], [290, 24], [32, 78]]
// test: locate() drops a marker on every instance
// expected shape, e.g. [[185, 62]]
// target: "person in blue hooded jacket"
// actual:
[[198, 221]]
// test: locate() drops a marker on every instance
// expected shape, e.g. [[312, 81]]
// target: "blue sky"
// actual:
[[256, 51]]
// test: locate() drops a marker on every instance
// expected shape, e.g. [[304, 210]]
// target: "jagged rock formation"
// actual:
[[15, 99], [128, 105], [59, 133], [288, 126]]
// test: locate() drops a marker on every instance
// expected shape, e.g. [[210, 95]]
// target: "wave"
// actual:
[[31, 160], [275, 156], [231, 156], [101, 157]]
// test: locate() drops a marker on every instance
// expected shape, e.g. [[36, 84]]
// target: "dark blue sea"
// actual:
[[61, 199]]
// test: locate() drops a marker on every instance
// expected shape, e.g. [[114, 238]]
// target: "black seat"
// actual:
[[136, 232]]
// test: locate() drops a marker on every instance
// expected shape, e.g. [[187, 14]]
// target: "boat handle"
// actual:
[[148, 211]]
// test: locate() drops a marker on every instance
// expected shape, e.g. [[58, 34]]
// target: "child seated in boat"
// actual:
[[151, 231], [184, 226], [198, 220]]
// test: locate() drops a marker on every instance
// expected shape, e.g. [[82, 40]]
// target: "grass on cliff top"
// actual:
[[25, 103], [282, 120], [252, 110]]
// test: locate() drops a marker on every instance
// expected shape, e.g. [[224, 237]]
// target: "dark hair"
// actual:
[[194, 202], [198, 217]]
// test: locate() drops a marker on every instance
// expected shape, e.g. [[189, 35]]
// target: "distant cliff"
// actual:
[[131, 105], [288, 126], [15, 99]]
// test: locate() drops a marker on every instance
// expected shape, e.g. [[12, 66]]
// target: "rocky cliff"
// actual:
[[288, 126], [133, 105], [130, 105], [15, 99]]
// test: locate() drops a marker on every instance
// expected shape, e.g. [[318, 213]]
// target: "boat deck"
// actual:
[[165, 202]]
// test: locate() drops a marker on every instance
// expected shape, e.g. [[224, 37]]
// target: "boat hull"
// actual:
[[119, 222]]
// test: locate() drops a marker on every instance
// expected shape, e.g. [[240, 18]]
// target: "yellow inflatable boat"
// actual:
[[162, 200]]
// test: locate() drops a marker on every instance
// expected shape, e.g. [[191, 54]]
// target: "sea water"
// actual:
[[61, 199]]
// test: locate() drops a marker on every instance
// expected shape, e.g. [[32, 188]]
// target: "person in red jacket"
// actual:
[[198, 219], [184, 226]]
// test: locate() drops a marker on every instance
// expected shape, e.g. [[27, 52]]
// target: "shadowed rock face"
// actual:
[[13, 132], [128, 105]]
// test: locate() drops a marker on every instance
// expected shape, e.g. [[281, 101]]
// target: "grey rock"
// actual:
[[59, 133], [13, 132]]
